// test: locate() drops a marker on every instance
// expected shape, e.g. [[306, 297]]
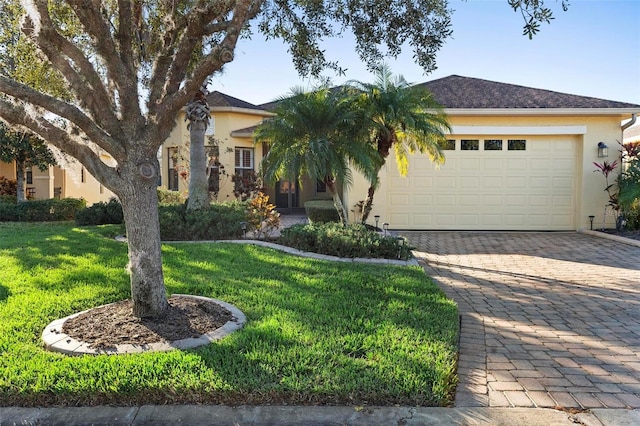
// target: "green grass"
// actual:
[[317, 332]]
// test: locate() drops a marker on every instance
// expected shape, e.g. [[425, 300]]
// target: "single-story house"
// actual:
[[518, 158]]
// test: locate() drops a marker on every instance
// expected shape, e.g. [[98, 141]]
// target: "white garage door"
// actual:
[[488, 183]]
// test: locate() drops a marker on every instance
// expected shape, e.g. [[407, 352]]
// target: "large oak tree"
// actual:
[[127, 67]]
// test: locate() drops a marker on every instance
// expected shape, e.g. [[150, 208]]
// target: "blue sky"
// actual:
[[593, 49]]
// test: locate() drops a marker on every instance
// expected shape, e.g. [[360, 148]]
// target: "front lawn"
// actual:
[[317, 332]]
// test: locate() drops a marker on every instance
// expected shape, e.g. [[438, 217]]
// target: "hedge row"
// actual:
[[41, 210], [334, 239]]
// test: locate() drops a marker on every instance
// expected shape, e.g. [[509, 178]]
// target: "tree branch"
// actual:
[[18, 116], [73, 114], [221, 54], [86, 84], [121, 68]]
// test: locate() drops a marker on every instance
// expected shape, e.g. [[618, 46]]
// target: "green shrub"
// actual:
[[101, 213], [8, 186], [42, 210], [166, 196], [351, 241], [632, 215], [321, 211], [8, 212], [219, 221], [8, 199]]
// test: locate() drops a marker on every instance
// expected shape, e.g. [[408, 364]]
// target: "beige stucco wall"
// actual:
[[91, 190], [8, 170], [224, 122], [590, 197]]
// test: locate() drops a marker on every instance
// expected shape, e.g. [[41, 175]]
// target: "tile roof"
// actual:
[[473, 93], [220, 100]]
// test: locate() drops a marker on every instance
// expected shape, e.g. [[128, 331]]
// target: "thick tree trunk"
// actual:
[[20, 196], [198, 184], [140, 208]]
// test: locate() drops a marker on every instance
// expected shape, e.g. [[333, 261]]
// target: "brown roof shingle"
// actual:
[[218, 99], [473, 93]]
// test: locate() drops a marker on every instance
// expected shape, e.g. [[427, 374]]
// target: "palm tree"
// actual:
[[399, 116], [313, 135], [198, 116]]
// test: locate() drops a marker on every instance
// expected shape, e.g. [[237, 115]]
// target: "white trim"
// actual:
[[259, 112], [519, 130], [541, 111]]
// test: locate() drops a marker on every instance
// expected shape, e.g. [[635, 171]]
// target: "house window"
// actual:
[[172, 163], [493, 144], [29, 176], [245, 179], [244, 160], [83, 178], [469, 144], [321, 186], [448, 145], [516, 144]]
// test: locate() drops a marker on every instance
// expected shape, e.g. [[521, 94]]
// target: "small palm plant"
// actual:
[[398, 117], [313, 135]]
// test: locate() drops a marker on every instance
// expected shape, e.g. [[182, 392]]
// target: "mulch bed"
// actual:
[[114, 324]]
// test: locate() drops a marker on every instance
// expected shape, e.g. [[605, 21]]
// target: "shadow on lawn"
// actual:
[[4, 293], [359, 312]]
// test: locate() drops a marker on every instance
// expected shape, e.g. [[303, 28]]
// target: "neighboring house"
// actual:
[[518, 159], [71, 182]]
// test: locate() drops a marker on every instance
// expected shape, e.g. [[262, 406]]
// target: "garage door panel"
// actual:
[[536, 182], [470, 164], [517, 182], [492, 182], [468, 182], [533, 189], [423, 182], [400, 200], [516, 164]]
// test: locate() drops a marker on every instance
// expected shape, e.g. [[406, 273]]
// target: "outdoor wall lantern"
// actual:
[[385, 226], [603, 149], [377, 218]]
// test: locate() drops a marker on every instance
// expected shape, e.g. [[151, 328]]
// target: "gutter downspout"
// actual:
[[628, 124]]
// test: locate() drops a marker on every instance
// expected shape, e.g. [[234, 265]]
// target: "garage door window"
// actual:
[[516, 144], [493, 144], [469, 144], [448, 145]]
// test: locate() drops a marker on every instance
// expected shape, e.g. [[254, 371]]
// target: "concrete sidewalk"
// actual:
[[312, 415]]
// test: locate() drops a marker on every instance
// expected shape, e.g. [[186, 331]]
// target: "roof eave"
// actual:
[[238, 110], [541, 111]]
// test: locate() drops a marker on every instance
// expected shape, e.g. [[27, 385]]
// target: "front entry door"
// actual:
[[286, 194]]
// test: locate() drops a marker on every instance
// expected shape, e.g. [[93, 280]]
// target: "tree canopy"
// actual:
[[26, 150], [112, 75]]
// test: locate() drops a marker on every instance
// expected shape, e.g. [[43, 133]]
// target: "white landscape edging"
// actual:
[[57, 341]]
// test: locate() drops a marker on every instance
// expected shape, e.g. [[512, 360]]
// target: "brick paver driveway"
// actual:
[[548, 319]]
